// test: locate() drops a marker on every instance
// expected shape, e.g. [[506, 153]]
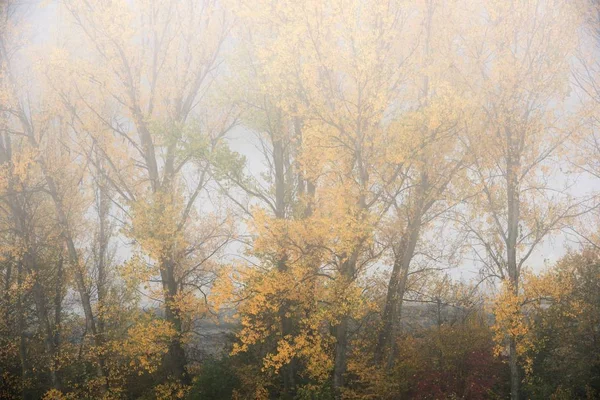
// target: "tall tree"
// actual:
[[158, 65], [520, 56], [427, 155], [32, 123], [279, 207]]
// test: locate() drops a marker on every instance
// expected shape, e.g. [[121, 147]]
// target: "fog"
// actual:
[[354, 199]]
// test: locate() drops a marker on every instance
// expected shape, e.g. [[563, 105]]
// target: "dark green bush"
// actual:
[[216, 381]]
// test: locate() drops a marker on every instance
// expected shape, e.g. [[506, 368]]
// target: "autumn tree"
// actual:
[[353, 75], [28, 128], [143, 120], [564, 329], [520, 56], [276, 204], [585, 146], [304, 170], [34, 271], [425, 153], [343, 73]]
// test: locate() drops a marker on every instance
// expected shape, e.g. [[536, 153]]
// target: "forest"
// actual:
[[299, 199]]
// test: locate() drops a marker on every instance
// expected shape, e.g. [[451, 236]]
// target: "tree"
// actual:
[[153, 128], [282, 197], [29, 122], [566, 329], [585, 145], [427, 155], [303, 171], [521, 61], [343, 78]]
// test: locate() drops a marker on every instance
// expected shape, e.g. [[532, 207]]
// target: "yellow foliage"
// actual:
[[170, 390], [146, 344]]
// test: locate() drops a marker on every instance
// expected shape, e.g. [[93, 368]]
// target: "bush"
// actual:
[[217, 381]]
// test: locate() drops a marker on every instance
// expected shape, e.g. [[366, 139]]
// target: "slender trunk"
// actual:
[[40, 300], [440, 352], [58, 297], [513, 362], [397, 284], [289, 369], [103, 205], [348, 271], [175, 361], [341, 351], [287, 323], [514, 370], [44, 321], [512, 194], [25, 376], [5, 160], [6, 300]]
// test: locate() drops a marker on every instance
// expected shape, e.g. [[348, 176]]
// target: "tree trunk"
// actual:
[[103, 237], [396, 316], [44, 321], [79, 272], [397, 284], [389, 310], [72, 254], [513, 205], [58, 297], [289, 373], [40, 299], [6, 300], [6, 159], [175, 359], [348, 271], [395, 294], [341, 350], [287, 324], [25, 392], [514, 370]]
